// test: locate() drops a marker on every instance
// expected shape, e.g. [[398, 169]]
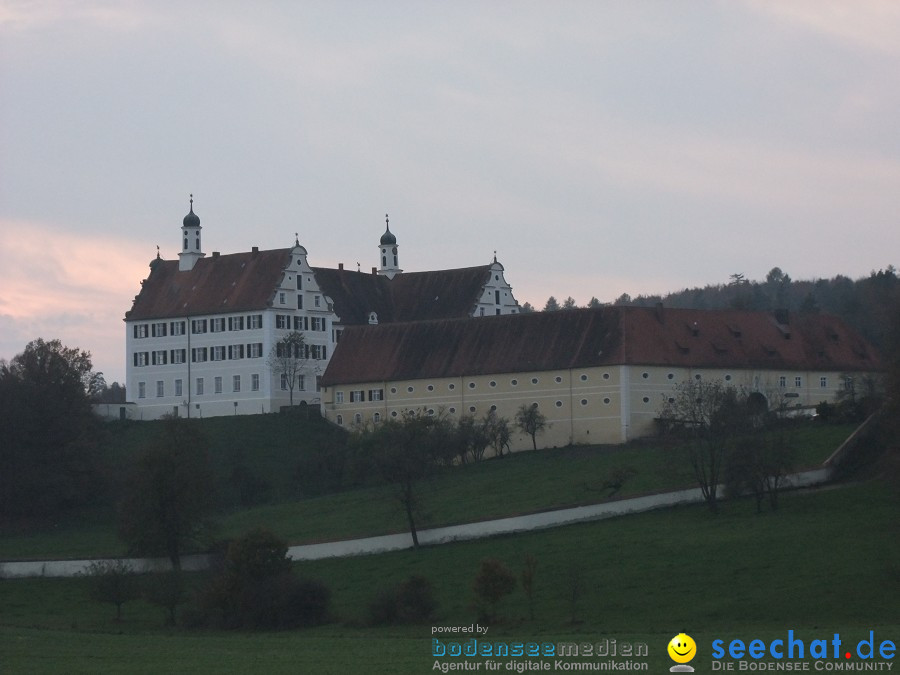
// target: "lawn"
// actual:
[[824, 563]]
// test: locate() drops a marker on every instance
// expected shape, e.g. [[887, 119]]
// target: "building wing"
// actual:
[[216, 285]]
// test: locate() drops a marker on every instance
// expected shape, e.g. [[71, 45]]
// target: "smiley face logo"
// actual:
[[682, 648]]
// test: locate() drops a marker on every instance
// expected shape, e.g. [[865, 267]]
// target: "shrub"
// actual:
[[410, 601], [493, 581], [167, 590], [257, 589]]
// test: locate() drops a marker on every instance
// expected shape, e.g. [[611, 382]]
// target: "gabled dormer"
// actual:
[[496, 294]]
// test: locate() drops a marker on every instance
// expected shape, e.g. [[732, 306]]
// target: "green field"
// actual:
[[521, 483], [825, 562]]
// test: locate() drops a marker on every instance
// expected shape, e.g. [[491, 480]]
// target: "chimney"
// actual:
[[255, 249], [340, 266], [375, 271], [215, 254]]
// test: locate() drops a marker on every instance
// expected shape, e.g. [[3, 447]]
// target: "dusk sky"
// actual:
[[600, 147]]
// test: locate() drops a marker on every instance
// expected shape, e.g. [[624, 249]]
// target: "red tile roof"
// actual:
[[217, 284], [597, 337], [247, 281]]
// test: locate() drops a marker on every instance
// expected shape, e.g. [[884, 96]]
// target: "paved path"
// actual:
[[397, 542]]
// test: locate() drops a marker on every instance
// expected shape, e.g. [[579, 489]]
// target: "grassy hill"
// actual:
[[824, 563], [284, 455]]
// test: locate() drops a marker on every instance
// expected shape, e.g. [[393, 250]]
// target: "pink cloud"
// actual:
[[74, 287]]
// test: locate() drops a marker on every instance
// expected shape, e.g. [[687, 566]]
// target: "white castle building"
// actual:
[[201, 331]]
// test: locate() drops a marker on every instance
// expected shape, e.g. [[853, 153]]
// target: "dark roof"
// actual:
[[247, 281], [217, 284], [596, 337], [410, 296], [388, 238]]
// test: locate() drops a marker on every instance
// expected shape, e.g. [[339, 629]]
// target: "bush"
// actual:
[[410, 601], [256, 589], [166, 590], [493, 581]]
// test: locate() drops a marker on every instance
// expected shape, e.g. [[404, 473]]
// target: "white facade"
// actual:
[[218, 363]]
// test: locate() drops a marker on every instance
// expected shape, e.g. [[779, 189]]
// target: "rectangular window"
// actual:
[[141, 359], [314, 323], [160, 389], [217, 383], [254, 321], [823, 382], [178, 355], [798, 381], [199, 389], [140, 330], [158, 330], [317, 301], [298, 323], [159, 358], [338, 397], [217, 325], [782, 381], [254, 382], [236, 383], [198, 326], [299, 300], [301, 383], [356, 396], [283, 321], [235, 323], [218, 353], [235, 352], [284, 382], [376, 394], [176, 328], [281, 298], [254, 350], [198, 354], [179, 388], [299, 282], [142, 390]]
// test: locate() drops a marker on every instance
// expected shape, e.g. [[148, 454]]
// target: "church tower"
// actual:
[[191, 251], [390, 263]]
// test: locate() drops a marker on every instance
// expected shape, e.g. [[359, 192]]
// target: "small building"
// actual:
[[598, 375], [200, 332]]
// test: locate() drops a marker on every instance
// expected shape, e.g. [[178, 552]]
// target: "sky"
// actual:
[[600, 147]]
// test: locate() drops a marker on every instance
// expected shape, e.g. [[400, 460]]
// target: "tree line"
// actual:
[[866, 304]]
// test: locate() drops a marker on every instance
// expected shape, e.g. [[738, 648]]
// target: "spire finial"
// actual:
[[157, 251], [296, 239], [495, 255], [192, 201]]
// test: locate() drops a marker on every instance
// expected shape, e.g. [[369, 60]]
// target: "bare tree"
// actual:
[[112, 581], [288, 358], [713, 415], [497, 431], [405, 451], [531, 421]]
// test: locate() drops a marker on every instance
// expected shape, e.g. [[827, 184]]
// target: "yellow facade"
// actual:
[[607, 404]]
